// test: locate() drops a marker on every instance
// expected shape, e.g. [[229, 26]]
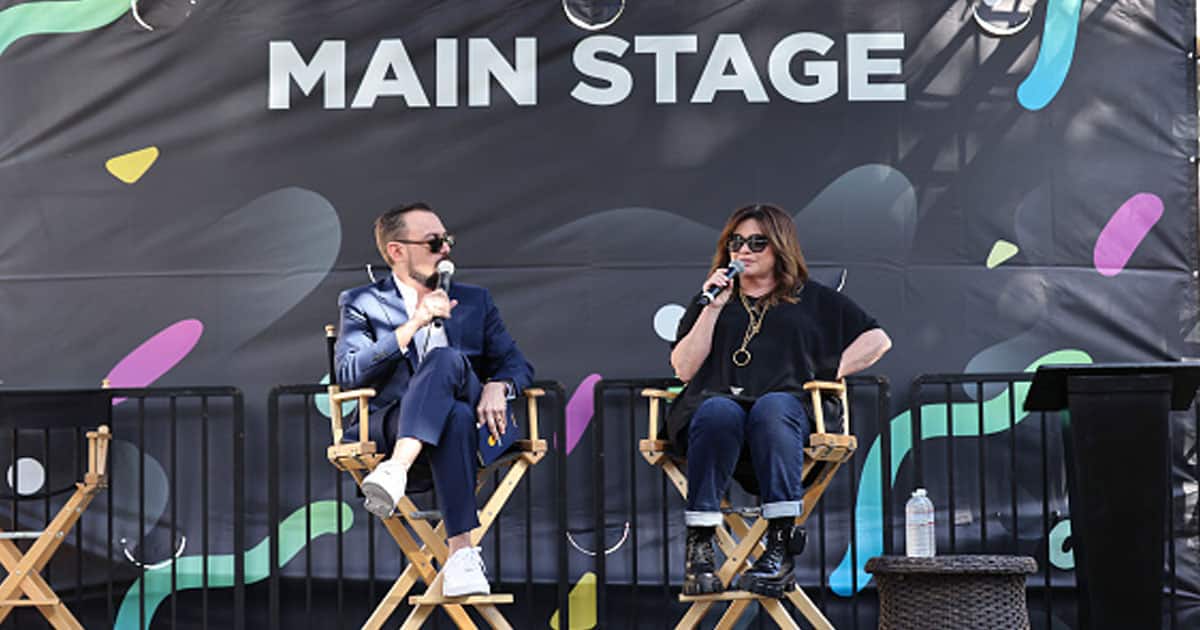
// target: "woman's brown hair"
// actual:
[[791, 272]]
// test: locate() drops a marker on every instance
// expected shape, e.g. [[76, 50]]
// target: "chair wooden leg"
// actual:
[[492, 615], [733, 614], [810, 611], [36, 588], [694, 616], [417, 617], [779, 614]]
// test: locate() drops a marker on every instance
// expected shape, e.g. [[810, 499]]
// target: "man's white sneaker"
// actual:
[[465, 574], [384, 487]]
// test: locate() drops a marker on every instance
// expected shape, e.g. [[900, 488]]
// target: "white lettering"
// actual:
[[286, 64], [619, 81], [860, 66], [390, 56], [779, 68], [729, 49], [518, 80], [666, 50]]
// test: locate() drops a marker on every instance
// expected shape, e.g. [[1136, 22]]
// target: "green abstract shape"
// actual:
[[1060, 556], [189, 569], [48, 18]]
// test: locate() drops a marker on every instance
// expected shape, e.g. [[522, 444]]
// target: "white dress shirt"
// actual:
[[427, 337]]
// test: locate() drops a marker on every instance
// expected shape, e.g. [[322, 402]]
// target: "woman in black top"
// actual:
[[745, 358]]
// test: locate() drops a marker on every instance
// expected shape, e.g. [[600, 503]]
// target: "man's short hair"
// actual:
[[389, 226]]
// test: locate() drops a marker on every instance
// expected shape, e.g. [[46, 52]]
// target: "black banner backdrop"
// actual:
[[186, 187]]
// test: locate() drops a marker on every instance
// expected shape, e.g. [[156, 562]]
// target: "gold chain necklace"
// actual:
[[741, 356]]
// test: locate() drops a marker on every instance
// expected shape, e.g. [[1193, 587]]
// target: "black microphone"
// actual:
[[712, 291], [445, 269]]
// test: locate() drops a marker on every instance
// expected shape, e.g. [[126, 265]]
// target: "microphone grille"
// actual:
[[445, 266], [737, 266]]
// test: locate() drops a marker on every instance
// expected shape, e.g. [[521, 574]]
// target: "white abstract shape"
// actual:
[[597, 20], [31, 476], [666, 321]]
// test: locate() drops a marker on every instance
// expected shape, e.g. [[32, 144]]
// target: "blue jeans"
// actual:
[[775, 430]]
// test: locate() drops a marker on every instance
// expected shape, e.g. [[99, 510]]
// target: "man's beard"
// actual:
[[428, 281]]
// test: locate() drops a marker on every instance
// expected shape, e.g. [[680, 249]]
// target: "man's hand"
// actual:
[[493, 409], [434, 304]]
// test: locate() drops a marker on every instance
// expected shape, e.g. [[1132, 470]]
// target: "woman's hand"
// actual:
[[720, 279]]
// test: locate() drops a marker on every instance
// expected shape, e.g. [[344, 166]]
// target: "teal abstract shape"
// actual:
[[1054, 56], [49, 18], [321, 401], [1060, 556], [189, 569], [869, 505]]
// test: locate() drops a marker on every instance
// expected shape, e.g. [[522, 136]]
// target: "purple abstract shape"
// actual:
[[155, 356], [579, 410], [1126, 229]]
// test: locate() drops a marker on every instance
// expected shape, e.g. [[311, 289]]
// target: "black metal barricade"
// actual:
[[163, 543]]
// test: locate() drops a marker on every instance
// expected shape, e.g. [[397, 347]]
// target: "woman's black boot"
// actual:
[[699, 571]]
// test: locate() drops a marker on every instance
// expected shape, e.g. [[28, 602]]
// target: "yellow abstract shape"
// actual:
[[131, 166], [1001, 251], [582, 604]]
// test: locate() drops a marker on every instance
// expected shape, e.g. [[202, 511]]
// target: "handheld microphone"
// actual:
[[712, 291], [445, 269]]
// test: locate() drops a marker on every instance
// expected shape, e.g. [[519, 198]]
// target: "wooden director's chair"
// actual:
[[24, 585], [360, 458], [741, 540]]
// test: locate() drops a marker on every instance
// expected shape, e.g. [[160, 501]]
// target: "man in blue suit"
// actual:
[[442, 365]]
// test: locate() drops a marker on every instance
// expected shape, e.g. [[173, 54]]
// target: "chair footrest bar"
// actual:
[[426, 515], [30, 602], [19, 535], [469, 600], [727, 596]]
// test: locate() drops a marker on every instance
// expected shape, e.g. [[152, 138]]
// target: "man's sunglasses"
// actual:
[[434, 243], [757, 243]]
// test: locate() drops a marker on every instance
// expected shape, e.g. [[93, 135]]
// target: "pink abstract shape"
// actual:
[[155, 356], [1126, 229], [579, 410]]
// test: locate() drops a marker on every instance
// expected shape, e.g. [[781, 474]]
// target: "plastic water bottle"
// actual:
[[919, 533]]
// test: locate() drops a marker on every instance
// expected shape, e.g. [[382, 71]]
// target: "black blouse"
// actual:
[[797, 343]]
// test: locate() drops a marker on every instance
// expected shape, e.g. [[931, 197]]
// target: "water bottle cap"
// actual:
[[919, 492]]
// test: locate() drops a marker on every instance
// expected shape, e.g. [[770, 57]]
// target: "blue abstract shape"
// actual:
[[1054, 56], [934, 424]]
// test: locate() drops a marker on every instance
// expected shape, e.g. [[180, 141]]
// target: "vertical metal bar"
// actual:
[[560, 491], [16, 480], [141, 419], [1047, 596], [78, 459], [204, 510], [46, 490], [952, 512], [1170, 491], [529, 601], [853, 544], [666, 556], [982, 466], [915, 418], [239, 512], [273, 508], [598, 504], [341, 569], [112, 480], [171, 411], [308, 499], [821, 542], [885, 445], [633, 510], [1012, 466], [496, 530]]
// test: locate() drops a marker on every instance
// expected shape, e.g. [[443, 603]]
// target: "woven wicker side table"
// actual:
[[946, 592]]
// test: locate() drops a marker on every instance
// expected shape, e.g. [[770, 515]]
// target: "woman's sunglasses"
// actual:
[[757, 242], [434, 243]]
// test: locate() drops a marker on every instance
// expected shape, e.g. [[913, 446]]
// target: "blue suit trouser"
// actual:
[[439, 410]]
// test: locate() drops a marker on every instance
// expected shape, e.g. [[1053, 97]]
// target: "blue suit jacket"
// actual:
[[367, 353]]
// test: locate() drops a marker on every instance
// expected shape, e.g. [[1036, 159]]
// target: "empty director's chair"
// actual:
[[741, 540], [45, 411], [360, 458]]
